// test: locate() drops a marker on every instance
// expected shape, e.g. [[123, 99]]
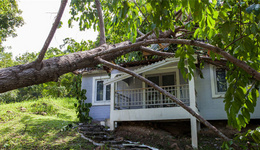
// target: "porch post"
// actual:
[[143, 86], [112, 104], [194, 132], [193, 120], [192, 94], [178, 84]]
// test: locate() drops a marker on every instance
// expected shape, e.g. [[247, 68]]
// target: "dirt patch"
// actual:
[[154, 134], [176, 135]]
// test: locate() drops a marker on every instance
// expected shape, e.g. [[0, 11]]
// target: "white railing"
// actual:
[[142, 98]]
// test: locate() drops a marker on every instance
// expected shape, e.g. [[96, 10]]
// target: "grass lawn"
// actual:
[[38, 124]]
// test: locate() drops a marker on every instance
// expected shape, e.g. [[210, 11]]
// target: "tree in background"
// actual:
[[9, 19]]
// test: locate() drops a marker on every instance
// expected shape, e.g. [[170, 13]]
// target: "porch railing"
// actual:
[[142, 98]]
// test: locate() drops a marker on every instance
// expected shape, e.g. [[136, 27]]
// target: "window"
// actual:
[[221, 80], [163, 80], [101, 92], [218, 81]]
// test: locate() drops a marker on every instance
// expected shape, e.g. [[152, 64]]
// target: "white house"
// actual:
[[120, 97]]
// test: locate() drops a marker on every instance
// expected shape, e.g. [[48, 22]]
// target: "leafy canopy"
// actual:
[[230, 25]]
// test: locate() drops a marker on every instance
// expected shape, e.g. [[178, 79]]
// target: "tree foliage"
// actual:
[[232, 26]]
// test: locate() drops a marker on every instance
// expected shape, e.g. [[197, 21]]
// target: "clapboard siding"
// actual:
[[100, 112], [212, 108]]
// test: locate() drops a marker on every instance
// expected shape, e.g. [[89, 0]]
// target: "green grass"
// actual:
[[39, 125]]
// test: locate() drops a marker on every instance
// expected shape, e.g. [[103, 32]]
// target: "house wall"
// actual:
[[182, 80], [97, 112], [212, 108]]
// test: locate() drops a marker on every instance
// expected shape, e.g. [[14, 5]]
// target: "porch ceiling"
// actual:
[[122, 76]]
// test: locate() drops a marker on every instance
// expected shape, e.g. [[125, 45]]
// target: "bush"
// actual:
[[9, 97]]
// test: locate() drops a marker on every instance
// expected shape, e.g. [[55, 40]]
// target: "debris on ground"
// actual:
[[158, 135], [101, 136]]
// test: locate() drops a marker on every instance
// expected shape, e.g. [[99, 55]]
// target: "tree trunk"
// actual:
[[26, 75]]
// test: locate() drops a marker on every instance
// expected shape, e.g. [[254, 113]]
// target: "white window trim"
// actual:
[[94, 93], [213, 81]]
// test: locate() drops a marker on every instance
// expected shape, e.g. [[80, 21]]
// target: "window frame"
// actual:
[[213, 79], [94, 93]]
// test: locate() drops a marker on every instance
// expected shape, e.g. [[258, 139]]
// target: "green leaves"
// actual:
[[239, 103], [10, 19], [84, 12], [247, 140], [125, 9], [82, 108], [255, 8], [186, 63], [210, 22], [229, 25]]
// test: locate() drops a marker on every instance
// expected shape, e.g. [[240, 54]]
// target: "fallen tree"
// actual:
[[52, 69]]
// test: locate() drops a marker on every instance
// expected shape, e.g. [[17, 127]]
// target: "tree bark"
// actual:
[[51, 34], [241, 64], [26, 75], [151, 51]]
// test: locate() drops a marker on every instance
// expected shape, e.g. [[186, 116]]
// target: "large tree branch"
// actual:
[[26, 75], [217, 50], [51, 34], [151, 51], [164, 92], [101, 23]]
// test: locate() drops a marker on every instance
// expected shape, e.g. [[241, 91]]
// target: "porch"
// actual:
[[133, 100], [147, 98], [143, 104]]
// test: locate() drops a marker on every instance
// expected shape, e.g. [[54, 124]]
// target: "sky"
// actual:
[[39, 16]]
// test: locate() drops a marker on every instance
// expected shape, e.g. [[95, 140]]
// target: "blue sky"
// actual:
[[39, 16]]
